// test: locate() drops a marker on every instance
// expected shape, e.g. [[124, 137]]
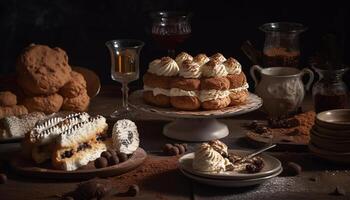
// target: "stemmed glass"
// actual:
[[170, 28], [124, 68]]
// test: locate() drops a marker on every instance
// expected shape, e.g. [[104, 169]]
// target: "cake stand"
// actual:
[[195, 126]]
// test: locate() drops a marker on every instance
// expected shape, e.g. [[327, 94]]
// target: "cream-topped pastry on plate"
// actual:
[[185, 88], [160, 74], [181, 57], [215, 86], [238, 82]]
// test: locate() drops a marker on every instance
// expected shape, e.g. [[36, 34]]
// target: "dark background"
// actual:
[[82, 27]]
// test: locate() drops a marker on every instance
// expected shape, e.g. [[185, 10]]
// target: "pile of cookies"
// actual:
[[192, 83], [8, 105], [48, 82]]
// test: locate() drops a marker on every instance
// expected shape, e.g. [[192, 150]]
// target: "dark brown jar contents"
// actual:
[[328, 102]]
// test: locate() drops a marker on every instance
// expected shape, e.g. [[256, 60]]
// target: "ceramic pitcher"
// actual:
[[281, 88]]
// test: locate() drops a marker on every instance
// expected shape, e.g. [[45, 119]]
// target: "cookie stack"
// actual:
[[48, 81], [8, 105], [188, 83]]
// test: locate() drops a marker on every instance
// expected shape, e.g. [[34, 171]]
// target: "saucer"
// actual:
[[338, 119], [272, 165]]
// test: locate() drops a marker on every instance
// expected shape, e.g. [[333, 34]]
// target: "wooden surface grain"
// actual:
[[171, 184]]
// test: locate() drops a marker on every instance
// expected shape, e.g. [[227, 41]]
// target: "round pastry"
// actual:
[[201, 59], [42, 70], [238, 82], [79, 103], [15, 110], [219, 57], [125, 136], [182, 57], [7, 98], [47, 104], [157, 81], [184, 89], [75, 86]]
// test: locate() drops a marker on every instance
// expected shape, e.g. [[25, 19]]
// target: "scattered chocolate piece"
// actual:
[[181, 148], [91, 190], [314, 179], [293, 169], [253, 125], [133, 190], [251, 168], [283, 123], [3, 178], [338, 191], [106, 154], [113, 160], [174, 151], [122, 157], [166, 148], [294, 132], [233, 158], [113, 153], [101, 162], [261, 129]]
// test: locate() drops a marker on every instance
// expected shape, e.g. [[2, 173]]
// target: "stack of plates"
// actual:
[[271, 169], [330, 136]]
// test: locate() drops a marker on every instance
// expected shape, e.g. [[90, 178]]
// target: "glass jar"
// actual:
[[330, 92]]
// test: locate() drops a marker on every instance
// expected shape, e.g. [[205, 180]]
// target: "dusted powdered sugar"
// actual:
[[82, 132], [125, 136], [175, 92], [181, 57], [157, 91], [208, 95]]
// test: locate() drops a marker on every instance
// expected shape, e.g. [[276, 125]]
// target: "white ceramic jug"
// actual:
[[281, 88]]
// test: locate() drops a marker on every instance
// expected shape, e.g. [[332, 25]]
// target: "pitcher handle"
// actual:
[[311, 77], [252, 73]]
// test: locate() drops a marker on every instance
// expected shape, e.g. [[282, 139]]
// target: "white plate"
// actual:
[[253, 102], [230, 183], [272, 165]]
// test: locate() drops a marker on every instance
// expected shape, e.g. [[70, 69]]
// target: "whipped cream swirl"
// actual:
[[190, 69], [201, 59], [164, 67], [214, 68], [208, 95], [206, 159], [157, 91], [182, 57], [176, 92], [219, 57], [233, 66]]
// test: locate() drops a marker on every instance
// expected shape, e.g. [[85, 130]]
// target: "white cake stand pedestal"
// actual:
[[195, 126]]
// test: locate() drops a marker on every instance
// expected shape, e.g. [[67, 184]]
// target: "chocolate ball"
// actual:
[[122, 157], [113, 160], [292, 169], [3, 178], [101, 162], [185, 146], [112, 152], [133, 190], [174, 151], [166, 148], [181, 148], [106, 154]]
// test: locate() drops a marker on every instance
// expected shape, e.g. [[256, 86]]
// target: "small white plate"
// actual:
[[271, 166], [230, 183]]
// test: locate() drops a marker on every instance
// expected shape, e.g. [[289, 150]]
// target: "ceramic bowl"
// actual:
[[334, 119]]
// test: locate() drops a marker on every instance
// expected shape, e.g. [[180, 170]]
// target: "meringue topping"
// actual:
[[219, 57], [190, 69], [206, 159], [233, 66], [201, 59], [182, 57], [164, 67], [214, 68]]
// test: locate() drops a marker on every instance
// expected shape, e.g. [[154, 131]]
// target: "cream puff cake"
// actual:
[[184, 89], [201, 59], [238, 82], [215, 86], [157, 81], [181, 57]]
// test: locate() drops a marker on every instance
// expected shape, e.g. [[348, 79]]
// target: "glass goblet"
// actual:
[[170, 29], [124, 68]]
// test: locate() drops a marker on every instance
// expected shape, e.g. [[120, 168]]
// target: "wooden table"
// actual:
[[172, 184]]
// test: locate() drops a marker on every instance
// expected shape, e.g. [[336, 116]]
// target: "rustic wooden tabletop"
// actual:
[[318, 179]]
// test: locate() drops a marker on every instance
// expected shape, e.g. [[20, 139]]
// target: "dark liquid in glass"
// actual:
[[280, 57], [169, 41]]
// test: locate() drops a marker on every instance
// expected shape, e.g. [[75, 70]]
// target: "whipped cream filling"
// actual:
[[157, 91], [239, 89], [176, 92], [208, 95]]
